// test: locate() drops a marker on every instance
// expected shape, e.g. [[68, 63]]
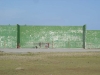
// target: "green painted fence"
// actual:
[[93, 39], [8, 36], [57, 36]]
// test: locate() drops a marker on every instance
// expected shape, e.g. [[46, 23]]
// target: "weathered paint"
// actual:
[[57, 36], [61, 36], [8, 36], [93, 39]]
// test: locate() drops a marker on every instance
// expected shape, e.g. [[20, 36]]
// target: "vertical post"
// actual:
[[52, 44], [18, 36], [84, 36], [68, 45]]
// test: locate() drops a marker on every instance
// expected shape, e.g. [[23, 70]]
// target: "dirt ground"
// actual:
[[50, 63], [25, 50]]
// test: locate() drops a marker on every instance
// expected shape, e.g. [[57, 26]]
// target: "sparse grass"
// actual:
[[86, 63]]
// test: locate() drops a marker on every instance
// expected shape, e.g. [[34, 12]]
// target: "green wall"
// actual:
[[57, 36], [93, 39], [61, 36], [8, 36]]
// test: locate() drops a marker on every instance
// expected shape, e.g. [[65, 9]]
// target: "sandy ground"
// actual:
[[48, 50]]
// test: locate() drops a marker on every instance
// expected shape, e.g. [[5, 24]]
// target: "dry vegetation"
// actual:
[[50, 63]]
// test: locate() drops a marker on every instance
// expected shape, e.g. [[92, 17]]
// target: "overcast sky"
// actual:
[[51, 12]]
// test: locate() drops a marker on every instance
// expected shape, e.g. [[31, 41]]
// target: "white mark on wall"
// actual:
[[80, 31], [76, 31], [51, 33], [55, 38]]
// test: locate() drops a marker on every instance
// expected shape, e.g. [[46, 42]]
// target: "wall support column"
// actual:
[[18, 36], [84, 36]]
